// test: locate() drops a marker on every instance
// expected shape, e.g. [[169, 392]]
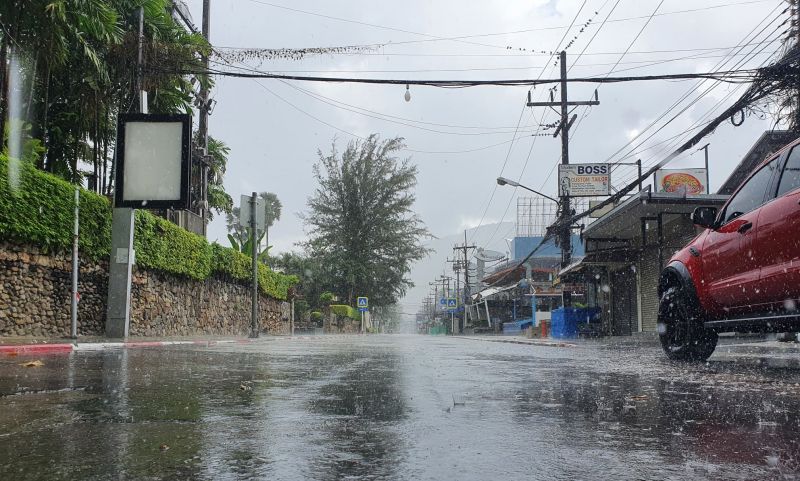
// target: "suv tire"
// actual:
[[682, 334]]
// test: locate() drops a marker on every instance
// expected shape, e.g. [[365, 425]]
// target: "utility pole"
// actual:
[[459, 264], [254, 328], [203, 123], [708, 174], [795, 22], [565, 211], [140, 94]]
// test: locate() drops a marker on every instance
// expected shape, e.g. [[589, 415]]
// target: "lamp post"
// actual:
[[504, 181]]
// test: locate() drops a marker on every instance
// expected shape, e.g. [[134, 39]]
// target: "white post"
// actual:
[[291, 320], [362, 322], [75, 267]]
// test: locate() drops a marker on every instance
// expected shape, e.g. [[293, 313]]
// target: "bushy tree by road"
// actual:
[[361, 222]]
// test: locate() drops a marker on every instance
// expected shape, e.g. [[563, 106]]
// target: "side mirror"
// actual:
[[705, 217]]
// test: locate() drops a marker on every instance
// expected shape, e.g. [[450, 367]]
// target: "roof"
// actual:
[[766, 145], [492, 291], [516, 271], [624, 220]]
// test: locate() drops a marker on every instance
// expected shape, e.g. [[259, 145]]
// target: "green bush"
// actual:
[[316, 316], [162, 245], [236, 265], [38, 209], [342, 310], [326, 298]]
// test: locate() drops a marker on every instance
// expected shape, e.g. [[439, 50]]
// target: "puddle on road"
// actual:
[[396, 410]]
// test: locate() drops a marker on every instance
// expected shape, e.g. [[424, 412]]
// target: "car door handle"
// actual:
[[745, 227]]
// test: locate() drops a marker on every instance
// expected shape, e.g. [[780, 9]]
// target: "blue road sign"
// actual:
[[443, 301], [452, 304], [363, 302]]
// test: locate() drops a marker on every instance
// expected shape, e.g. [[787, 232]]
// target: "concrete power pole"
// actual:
[[565, 211], [203, 123]]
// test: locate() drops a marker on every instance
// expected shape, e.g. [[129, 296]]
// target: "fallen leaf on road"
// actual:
[[163, 447], [36, 363], [641, 397]]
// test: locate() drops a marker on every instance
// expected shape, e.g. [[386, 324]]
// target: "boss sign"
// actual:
[[584, 180]]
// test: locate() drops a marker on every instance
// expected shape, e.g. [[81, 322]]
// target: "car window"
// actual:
[[752, 193], [790, 177]]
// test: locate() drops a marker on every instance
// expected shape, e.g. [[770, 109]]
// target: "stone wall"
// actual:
[[35, 300], [333, 324]]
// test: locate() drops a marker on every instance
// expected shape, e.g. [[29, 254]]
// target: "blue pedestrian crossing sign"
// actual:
[[363, 304], [452, 304]]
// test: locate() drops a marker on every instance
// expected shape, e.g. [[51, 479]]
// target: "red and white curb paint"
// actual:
[[33, 349]]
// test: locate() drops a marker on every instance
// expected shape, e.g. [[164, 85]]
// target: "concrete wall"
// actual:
[[35, 300]]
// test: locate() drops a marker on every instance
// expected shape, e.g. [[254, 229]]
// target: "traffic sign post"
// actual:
[[363, 306], [452, 306]]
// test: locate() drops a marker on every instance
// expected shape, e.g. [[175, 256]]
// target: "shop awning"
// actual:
[[624, 221], [489, 292]]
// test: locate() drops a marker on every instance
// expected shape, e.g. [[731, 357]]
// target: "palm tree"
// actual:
[[239, 235], [218, 199], [272, 214]]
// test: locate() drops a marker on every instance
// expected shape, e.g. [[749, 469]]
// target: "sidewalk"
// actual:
[[14, 346]]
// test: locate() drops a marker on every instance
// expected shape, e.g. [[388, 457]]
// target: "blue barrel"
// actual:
[[565, 320]]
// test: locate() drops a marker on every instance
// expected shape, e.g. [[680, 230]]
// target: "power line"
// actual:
[[461, 38], [526, 55], [354, 135], [685, 96], [719, 65], [640, 64], [508, 153], [731, 76]]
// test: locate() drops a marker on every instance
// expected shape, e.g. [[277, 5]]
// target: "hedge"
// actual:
[[342, 310], [38, 209]]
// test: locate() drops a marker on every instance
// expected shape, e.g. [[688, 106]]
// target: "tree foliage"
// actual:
[[76, 61], [219, 200], [313, 278], [361, 223]]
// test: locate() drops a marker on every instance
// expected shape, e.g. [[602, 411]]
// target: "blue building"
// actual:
[[522, 246]]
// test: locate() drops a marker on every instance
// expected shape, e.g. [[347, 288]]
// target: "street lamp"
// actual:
[[504, 181]]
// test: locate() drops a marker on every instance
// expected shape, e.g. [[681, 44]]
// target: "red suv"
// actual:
[[742, 273]]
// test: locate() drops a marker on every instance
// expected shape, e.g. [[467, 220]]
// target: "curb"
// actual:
[[23, 349], [522, 342], [13, 350]]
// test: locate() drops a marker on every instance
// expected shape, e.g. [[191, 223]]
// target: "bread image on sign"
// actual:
[[682, 182]]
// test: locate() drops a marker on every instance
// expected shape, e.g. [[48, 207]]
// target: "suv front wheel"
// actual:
[[683, 336]]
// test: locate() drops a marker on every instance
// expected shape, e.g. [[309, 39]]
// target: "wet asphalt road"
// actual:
[[398, 407]]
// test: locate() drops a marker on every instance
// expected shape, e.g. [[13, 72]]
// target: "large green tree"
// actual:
[[361, 222]]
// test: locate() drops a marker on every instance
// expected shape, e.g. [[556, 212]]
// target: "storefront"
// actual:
[[625, 252]]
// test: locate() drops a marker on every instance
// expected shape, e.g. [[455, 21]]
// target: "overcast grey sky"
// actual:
[[274, 129]]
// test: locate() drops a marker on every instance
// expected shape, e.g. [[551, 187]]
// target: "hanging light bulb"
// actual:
[[408, 94]]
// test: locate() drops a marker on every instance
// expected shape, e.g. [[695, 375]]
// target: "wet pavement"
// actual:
[[400, 407]]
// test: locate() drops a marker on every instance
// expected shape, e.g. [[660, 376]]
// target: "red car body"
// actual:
[[743, 271]]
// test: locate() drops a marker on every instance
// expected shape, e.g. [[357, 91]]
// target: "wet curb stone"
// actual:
[[520, 341]]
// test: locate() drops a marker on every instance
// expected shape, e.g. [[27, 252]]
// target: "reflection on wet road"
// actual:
[[397, 407]]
